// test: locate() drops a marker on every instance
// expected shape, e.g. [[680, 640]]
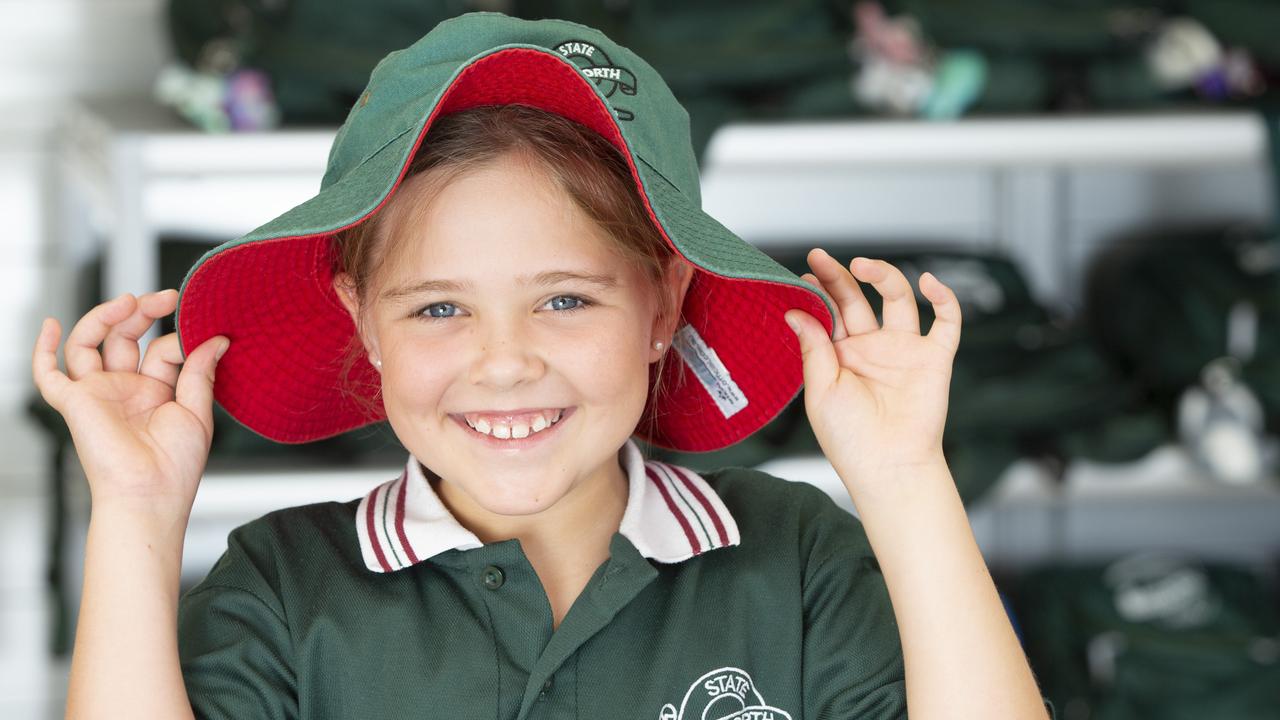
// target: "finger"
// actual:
[[858, 316], [817, 352], [837, 323], [194, 389], [899, 311], [120, 348], [946, 311], [163, 359], [89, 332], [50, 381]]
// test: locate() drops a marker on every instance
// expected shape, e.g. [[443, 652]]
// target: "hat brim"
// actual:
[[271, 291]]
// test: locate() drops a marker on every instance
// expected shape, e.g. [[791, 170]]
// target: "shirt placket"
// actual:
[[519, 616], [551, 690]]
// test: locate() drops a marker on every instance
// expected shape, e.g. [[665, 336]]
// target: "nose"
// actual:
[[505, 357]]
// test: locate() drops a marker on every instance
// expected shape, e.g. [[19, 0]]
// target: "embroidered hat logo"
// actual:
[[726, 693], [597, 66]]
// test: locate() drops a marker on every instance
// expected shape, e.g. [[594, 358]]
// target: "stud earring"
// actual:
[[378, 364], [657, 345]]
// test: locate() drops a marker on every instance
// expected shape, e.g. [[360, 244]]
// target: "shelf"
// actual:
[[132, 170], [143, 171], [232, 493], [1101, 511], [1208, 138]]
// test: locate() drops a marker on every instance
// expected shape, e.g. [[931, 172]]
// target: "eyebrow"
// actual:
[[549, 277]]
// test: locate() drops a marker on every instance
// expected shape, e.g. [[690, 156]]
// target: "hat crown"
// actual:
[[407, 84]]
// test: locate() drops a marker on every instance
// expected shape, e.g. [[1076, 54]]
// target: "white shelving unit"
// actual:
[[1098, 511], [1045, 189], [1200, 139], [127, 170], [231, 493]]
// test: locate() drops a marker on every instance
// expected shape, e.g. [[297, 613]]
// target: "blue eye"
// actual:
[[581, 302], [429, 311], [426, 312]]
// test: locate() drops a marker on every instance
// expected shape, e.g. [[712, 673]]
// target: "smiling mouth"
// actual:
[[532, 437], [513, 428]]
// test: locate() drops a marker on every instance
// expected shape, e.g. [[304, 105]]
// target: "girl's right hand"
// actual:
[[142, 435]]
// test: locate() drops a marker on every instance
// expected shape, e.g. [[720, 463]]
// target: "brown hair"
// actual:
[[581, 162]]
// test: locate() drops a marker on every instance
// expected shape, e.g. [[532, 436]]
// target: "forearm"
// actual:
[[961, 656], [125, 662]]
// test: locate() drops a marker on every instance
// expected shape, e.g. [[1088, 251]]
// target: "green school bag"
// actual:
[[1153, 636], [723, 59], [318, 53], [1087, 54], [1164, 302]]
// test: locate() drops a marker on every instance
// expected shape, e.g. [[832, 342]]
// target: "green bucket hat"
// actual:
[[271, 291]]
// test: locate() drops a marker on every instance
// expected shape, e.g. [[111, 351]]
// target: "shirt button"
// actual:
[[546, 688], [492, 577]]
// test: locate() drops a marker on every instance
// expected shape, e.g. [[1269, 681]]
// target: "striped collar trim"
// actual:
[[672, 515]]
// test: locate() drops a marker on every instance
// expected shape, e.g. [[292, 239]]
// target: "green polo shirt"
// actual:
[[727, 594]]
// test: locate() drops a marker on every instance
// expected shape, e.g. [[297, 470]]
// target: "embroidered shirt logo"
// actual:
[[597, 66], [723, 694]]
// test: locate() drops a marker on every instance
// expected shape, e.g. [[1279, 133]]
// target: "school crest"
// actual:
[[596, 65], [724, 694]]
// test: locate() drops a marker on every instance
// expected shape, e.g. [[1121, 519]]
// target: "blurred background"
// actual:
[[1094, 178]]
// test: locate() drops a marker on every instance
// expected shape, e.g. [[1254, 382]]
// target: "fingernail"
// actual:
[[863, 262], [795, 327], [222, 349]]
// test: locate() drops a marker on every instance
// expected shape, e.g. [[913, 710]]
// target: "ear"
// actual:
[[345, 289], [675, 284]]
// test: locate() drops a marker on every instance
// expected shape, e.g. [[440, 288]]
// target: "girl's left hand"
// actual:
[[876, 396]]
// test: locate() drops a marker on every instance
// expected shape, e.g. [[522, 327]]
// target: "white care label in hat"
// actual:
[[710, 371]]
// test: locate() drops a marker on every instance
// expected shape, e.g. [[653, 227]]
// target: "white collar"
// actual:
[[672, 515]]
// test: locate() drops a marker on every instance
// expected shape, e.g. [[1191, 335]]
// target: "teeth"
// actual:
[[516, 429]]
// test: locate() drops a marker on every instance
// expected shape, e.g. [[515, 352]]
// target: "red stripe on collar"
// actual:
[[670, 516]]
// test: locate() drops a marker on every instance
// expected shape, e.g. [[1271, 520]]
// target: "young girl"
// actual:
[[505, 248]]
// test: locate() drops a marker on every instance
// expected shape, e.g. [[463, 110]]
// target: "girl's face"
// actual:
[[485, 315]]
